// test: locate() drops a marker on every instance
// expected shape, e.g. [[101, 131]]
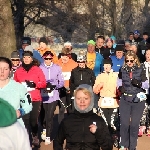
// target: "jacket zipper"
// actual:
[[48, 73], [81, 75], [83, 132]]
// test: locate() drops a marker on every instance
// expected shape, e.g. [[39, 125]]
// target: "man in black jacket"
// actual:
[[69, 46]]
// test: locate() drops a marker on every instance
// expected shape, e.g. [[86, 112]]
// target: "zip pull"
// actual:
[[81, 76]]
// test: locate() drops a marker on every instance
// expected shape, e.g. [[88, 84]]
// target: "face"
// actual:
[[83, 101], [145, 37], [48, 60], [119, 54], [68, 46], [81, 64], [136, 36], [27, 59], [130, 61], [127, 46], [91, 48], [15, 61], [42, 46], [133, 48], [147, 55], [64, 59], [24, 46], [99, 42], [107, 67], [131, 37], [109, 44], [4, 71]]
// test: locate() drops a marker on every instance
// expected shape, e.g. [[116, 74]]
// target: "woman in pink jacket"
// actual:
[[32, 77]]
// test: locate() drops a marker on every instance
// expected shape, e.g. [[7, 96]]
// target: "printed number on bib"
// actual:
[[66, 75], [107, 101], [46, 93]]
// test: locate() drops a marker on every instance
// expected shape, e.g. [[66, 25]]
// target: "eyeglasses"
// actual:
[[130, 61], [15, 59], [48, 58]]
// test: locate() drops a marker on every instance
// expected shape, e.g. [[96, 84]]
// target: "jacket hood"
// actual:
[[7, 114], [89, 88]]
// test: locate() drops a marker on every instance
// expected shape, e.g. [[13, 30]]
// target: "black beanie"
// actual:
[[119, 48], [44, 40], [108, 61], [26, 40]]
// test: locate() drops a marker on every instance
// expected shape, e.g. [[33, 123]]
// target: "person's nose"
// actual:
[[2, 70]]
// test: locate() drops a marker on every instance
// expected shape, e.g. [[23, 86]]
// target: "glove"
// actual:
[[136, 83], [30, 84], [50, 86]]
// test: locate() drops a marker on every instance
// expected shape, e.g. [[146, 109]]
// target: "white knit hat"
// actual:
[[67, 43], [29, 48]]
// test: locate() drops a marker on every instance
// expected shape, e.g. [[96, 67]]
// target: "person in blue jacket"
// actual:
[[26, 41], [118, 58]]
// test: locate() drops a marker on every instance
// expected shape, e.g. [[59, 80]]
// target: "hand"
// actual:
[[93, 128], [18, 113], [30, 84], [50, 86], [136, 83]]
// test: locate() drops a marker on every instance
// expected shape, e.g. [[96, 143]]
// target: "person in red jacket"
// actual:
[[32, 77]]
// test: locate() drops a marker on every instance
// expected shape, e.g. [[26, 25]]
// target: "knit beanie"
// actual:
[[119, 48], [44, 40], [91, 42], [15, 54], [67, 43], [29, 48], [26, 40], [108, 61], [8, 114]]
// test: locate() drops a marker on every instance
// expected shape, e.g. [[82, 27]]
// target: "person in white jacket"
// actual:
[[13, 136]]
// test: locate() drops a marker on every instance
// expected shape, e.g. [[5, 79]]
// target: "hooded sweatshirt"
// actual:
[[66, 70], [12, 135], [53, 74], [75, 129]]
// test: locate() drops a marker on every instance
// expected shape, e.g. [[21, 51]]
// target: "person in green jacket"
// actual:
[[15, 93]]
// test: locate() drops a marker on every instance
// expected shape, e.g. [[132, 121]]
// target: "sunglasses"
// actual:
[[48, 58], [15, 59], [81, 61], [130, 61]]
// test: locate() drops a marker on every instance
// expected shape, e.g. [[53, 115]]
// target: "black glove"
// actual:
[[30, 84], [50, 86], [136, 83]]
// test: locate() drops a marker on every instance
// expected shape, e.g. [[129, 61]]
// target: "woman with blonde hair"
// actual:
[[132, 83]]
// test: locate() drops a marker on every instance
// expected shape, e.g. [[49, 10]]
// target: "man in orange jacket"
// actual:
[[67, 64]]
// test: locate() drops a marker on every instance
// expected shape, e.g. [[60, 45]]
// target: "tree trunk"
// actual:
[[18, 16], [7, 32]]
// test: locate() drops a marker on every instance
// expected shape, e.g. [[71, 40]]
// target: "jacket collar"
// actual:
[[83, 115]]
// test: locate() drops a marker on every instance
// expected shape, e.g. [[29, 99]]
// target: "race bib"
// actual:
[[46, 93], [28, 88], [66, 75], [107, 101]]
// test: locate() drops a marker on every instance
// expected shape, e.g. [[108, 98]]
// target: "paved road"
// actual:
[[143, 142]]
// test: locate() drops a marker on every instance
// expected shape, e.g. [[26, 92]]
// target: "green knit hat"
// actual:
[[8, 114], [91, 42]]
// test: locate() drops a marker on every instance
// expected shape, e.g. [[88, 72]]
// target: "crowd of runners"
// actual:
[[104, 90]]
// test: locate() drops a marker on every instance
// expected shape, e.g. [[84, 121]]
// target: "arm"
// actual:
[[41, 79], [93, 78], [98, 84], [71, 83], [60, 79], [59, 140], [145, 83], [103, 136], [25, 101]]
